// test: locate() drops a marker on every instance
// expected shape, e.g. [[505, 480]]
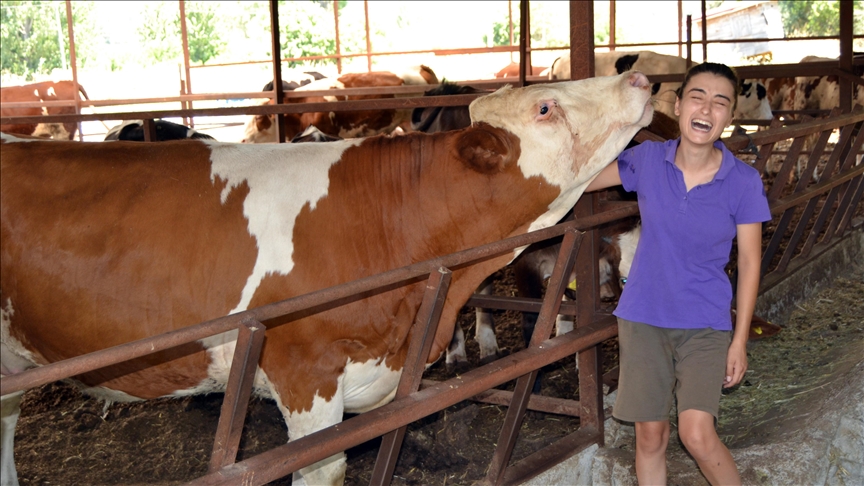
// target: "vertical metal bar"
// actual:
[[338, 46], [680, 32], [185, 36], [277, 67], [368, 39], [789, 164], [73, 62], [149, 130], [581, 40], [689, 41], [542, 330], [847, 12], [510, 18], [611, 25], [423, 335], [765, 150], [704, 31], [850, 210], [524, 41], [250, 339]]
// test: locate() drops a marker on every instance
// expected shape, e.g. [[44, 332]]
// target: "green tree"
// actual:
[[33, 36], [160, 33], [810, 17]]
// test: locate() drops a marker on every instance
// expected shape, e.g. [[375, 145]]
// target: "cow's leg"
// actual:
[[456, 350], [329, 471], [9, 410], [484, 334]]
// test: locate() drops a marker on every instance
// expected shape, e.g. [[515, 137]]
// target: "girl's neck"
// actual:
[[690, 156]]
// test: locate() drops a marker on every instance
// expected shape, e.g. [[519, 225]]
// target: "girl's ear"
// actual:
[[677, 110]]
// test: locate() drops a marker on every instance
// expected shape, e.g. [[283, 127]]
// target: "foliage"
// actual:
[[160, 32], [307, 29], [810, 17], [34, 40]]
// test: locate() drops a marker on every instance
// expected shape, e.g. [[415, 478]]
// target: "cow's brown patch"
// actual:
[[106, 244]]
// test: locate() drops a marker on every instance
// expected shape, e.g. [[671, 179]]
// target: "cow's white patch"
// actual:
[[14, 357], [368, 385], [282, 179], [9, 411], [628, 242]]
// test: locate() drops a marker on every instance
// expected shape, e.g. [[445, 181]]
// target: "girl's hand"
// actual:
[[736, 365]]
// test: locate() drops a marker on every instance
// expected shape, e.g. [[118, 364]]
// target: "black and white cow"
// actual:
[[133, 131]]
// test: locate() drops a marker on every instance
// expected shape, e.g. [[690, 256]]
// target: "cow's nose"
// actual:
[[638, 80]]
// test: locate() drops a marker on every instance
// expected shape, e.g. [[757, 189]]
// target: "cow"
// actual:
[[296, 80], [433, 119], [312, 134], [135, 240], [133, 131], [43, 91], [648, 62], [512, 71], [753, 102], [344, 124]]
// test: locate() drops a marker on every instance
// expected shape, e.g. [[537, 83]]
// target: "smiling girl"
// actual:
[[674, 321]]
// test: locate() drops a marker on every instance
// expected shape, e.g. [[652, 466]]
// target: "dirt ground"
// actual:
[[66, 438]]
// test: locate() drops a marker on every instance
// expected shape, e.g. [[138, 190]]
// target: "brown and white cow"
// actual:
[[106, 243], [512, 71], [648, 62], [43, 91], [344, 124]]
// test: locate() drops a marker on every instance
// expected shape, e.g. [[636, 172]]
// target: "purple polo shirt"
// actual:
[[677, 279]]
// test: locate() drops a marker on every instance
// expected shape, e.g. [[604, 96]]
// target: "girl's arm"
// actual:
[[607, 177], [749, 264]]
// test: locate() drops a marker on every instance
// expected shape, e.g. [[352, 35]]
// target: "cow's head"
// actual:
[[569, 131]]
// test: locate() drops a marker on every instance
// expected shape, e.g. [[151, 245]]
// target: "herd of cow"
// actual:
[[104, 244]]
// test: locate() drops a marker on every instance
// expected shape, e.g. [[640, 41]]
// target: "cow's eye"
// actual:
[[544, 109]]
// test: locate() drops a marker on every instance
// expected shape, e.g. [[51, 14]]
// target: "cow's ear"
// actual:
[[487, 149]]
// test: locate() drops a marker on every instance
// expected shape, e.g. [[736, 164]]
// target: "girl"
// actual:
[[674, 322]]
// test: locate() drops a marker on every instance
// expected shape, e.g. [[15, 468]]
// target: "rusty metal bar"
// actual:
[[317, 301], [368, 39], [149, 130], [290, 457], [784, 221], [279, 93], [739, 142], [524, 41], [680, 31], [338, 46], [247, 350], [612, 25], [847, 13], [543, 328], [850, 210], [689, 41], [829, 200], [185, 38], [786, 168], [549, 456], [766, 149], [704, 30], [510, 24], [423, 336], [73, 62], [581, 40]]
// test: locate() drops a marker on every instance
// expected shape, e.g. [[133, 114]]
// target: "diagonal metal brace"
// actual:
[[423, 335], [250, 340]]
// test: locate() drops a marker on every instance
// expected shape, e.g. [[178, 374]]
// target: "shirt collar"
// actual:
[[727, 161]]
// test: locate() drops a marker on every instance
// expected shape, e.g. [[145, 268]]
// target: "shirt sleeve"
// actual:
[[753, 205], [629, 165]]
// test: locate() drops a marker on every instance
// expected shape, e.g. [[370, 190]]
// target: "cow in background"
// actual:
[[753, 102], [133, 131], [344, 124], [648, 62], [434, 119], [512, 71], [295, 80], [43, 91]]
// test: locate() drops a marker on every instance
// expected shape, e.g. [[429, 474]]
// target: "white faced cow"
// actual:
[[102, 244]]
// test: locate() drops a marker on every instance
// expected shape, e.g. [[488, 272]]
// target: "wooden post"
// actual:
[[689, 41], [185, 38], [704, 31], [524, 41], [680, 33], [612, 25]]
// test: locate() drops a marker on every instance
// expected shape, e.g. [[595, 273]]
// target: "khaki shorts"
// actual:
[[659, 364]]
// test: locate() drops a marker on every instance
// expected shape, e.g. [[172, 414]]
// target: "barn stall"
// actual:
[[811, 217]]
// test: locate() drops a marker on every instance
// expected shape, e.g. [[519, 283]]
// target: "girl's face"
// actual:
[[705, 108]]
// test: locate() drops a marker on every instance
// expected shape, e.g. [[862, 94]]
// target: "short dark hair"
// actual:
[[716, 69]]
